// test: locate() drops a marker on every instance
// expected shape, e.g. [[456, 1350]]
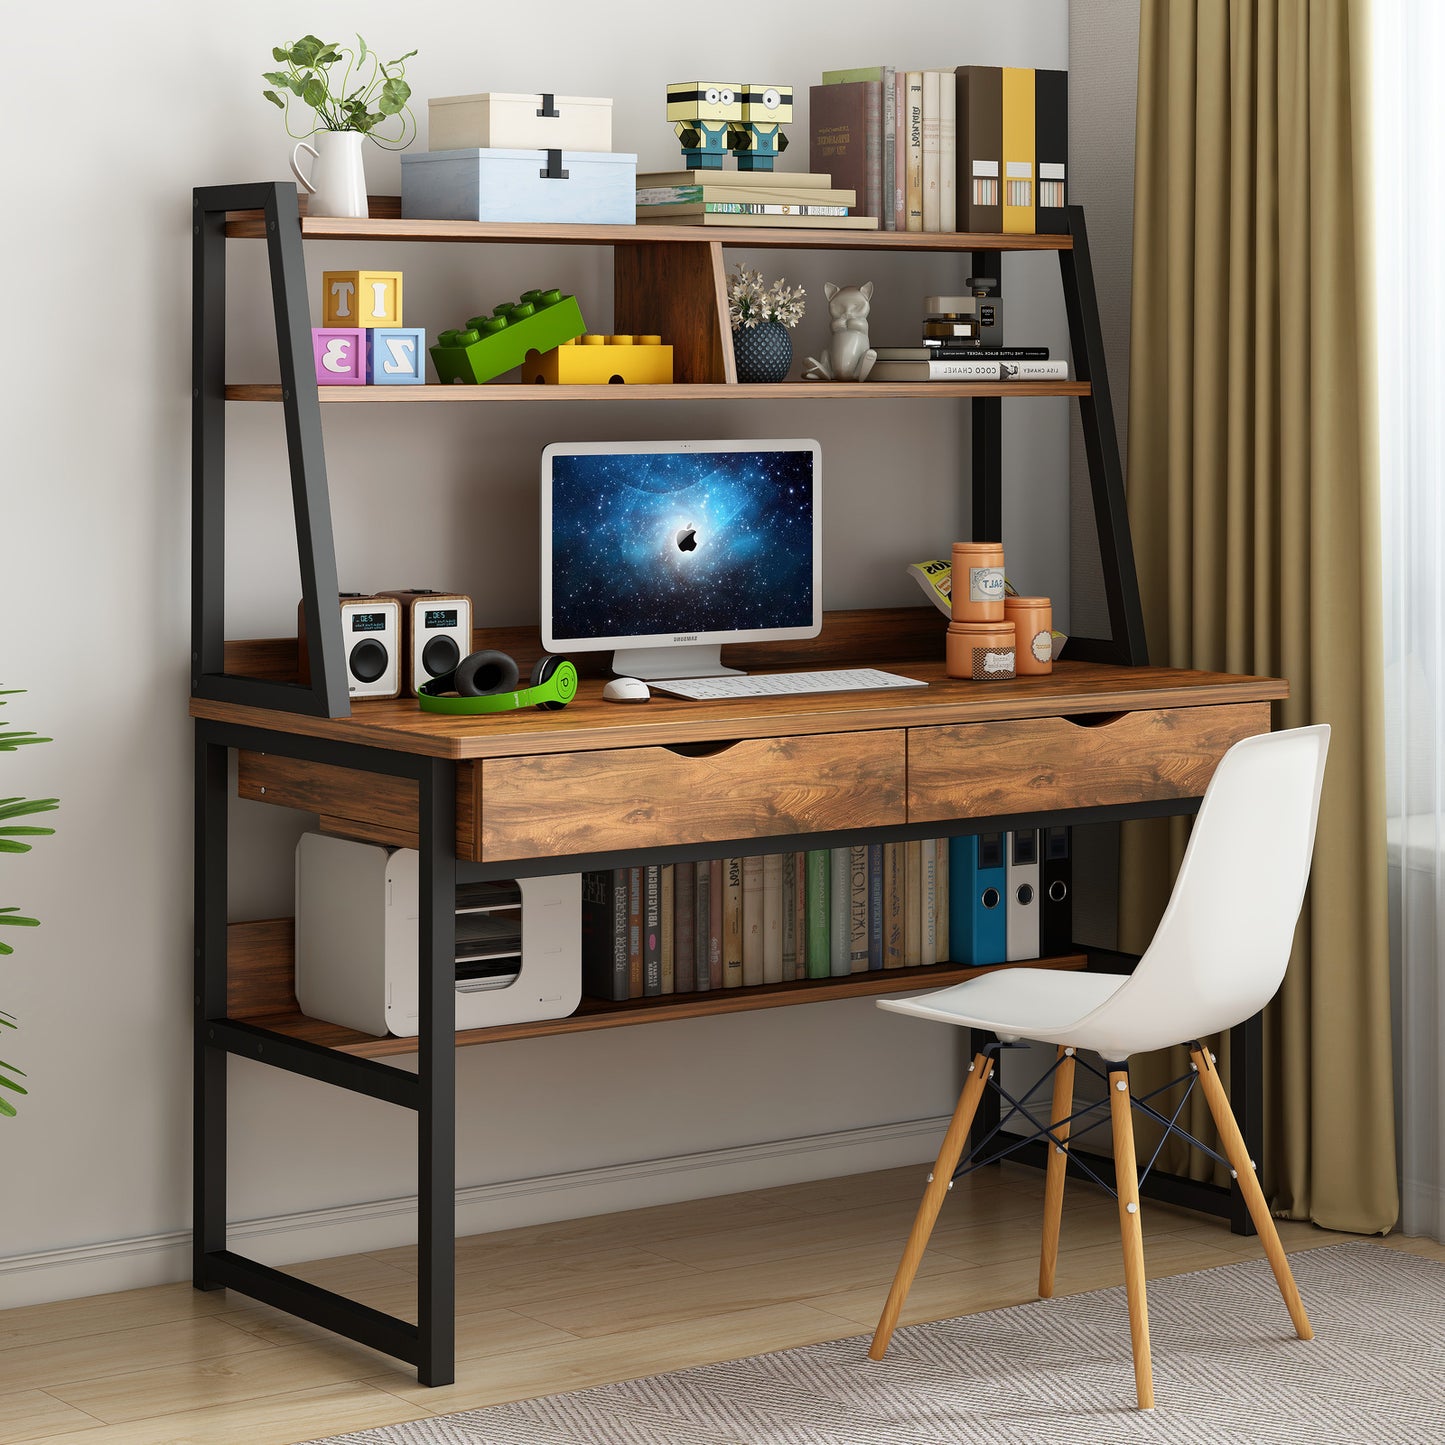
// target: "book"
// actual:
[[732, 923], [669, 928], [604, 934], [875, 905], [848, 77], [752, 920], [886, 77], [819, 963], [840, 902], [846, 138], [804, 180], [858, 910], [684, 932], [900, 153], [789, 925], [702, 917], [1051, 150], [978, 97], [717, 901], [675, 212], [800, 912], [947, 152], [928, 352], [888, 219], [725, 190], [913, 118], [717, 218], [1018, 150], [913, 904], [969, 371], [894, 892], [931, 165], [940, 908], [773, 918], [928, 923], [652, 930], [634, 933]]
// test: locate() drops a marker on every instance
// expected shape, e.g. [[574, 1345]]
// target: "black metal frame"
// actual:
[[326, 694]]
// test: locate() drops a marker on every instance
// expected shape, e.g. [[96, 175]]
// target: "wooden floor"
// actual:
[[561, 1306]]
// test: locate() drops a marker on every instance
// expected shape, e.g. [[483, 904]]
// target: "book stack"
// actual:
[[748, 198], [780, 917], [961, 341], [972, 148]]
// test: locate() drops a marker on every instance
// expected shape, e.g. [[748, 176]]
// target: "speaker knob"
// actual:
[[368, 660], [440, 655]]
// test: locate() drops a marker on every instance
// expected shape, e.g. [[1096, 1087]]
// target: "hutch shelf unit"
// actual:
[[1105, 737]]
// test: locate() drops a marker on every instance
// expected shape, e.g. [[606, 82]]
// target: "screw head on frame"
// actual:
[[1131, 1208], [1121, 1085]]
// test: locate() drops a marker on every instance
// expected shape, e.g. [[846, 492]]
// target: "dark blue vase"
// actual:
[[763, 352]]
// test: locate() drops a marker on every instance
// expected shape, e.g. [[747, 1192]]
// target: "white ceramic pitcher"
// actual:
[[337, 186]]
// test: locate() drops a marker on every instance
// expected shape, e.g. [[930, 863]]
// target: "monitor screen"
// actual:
[[679, 542]]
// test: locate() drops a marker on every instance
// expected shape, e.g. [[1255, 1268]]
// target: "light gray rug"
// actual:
[[1227, 1367]]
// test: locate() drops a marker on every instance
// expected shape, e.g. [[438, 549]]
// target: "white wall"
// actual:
[[148, 102]]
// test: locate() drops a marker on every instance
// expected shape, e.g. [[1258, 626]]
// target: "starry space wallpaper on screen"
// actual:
[[660, 543]]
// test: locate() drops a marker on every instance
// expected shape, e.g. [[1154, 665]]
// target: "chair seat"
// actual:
[[1017, 1003]]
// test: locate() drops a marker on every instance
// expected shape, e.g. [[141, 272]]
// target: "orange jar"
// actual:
[[983, 651], [977, 582], [1033, 620]]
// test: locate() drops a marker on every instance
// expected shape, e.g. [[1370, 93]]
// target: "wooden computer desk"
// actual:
[[600, 784]]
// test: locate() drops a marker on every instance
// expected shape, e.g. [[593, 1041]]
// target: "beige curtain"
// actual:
[[1253, 499]]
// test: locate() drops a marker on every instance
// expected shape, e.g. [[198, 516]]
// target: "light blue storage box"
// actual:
[[594, 187]]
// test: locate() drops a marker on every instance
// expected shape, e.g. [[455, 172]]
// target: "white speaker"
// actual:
[[370, 644], [436, 633]]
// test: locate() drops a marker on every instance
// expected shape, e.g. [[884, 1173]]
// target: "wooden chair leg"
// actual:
[[1063, 1106], [939, 1183], [1238, 1155], [1126, 1176]]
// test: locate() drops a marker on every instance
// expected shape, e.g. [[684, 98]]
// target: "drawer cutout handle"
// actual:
[[702, 750], [1096, 719]]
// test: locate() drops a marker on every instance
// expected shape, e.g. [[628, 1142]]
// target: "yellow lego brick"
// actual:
[[596, 360], [714, 100], [1018, 150], [361, 298]]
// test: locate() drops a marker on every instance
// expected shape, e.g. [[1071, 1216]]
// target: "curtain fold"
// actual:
[[1253, 497]]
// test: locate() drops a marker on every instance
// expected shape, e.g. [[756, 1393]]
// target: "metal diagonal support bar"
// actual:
[[431, 1091], [326, 694]]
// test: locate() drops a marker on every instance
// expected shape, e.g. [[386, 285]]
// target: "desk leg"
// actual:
[[437, 1070], [1246, 1098], [208, 1118]]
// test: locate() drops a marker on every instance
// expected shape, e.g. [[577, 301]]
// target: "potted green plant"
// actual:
[[761, 317], [352, 95], [11, 834]]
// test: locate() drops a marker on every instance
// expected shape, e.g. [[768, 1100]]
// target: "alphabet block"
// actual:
[[361, 298], [395, 355], [340, 355]]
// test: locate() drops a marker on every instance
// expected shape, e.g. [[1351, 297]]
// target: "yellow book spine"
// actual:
[[1018, 151]]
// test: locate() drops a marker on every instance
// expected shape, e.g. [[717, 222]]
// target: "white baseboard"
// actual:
[[481, 1209]]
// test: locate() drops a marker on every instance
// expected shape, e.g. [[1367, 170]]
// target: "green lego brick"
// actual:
[[490, 345]]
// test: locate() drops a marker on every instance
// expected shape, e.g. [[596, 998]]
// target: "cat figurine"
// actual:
[[849, 357]]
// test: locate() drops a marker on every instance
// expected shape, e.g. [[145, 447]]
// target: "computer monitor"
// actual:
[[664, 551]]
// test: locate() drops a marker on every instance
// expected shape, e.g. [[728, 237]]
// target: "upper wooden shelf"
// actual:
[[386, 224], [713, 391]]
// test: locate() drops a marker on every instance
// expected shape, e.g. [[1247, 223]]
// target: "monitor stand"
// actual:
[[657, 664]]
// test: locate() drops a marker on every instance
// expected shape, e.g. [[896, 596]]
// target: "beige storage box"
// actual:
[[519, 122]]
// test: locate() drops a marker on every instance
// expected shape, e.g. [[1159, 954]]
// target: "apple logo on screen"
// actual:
[[686, 538]]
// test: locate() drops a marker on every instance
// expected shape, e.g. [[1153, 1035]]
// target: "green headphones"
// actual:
[[487, 682]]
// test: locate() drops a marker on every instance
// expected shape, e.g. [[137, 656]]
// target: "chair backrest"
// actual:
[[1223, 945]]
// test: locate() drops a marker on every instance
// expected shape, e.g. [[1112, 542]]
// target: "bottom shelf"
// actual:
[[263, 951]]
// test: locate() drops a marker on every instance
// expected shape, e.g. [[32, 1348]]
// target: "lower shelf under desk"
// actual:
[[260, 959]]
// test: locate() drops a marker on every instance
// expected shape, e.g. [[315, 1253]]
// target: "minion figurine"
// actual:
[[758, 139], [703, 115]]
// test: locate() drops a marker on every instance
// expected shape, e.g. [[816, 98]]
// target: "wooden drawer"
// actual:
[[655, 796], [1027, 765]]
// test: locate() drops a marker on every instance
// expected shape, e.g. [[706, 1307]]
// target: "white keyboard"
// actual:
[[782, 684]]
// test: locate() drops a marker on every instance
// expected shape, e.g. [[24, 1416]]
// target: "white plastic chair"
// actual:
[[1218, 957]]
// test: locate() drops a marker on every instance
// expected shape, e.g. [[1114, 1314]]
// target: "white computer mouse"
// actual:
[[626, 689]]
